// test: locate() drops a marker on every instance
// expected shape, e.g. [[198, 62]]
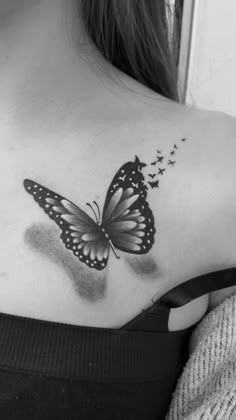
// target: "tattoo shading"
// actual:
[[127, 222]]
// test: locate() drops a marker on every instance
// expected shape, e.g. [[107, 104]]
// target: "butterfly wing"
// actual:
[[80, 233], [127, 217]]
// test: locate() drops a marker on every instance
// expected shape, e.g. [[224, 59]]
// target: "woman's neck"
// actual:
[[50, 83], [41, 66]]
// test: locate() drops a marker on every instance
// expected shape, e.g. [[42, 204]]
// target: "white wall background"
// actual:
[[208, 54]]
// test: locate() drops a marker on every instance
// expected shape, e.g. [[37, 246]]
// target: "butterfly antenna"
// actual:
[[93, 212], [99, 214]]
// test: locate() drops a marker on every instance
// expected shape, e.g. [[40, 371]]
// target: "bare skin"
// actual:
[[69, 125]]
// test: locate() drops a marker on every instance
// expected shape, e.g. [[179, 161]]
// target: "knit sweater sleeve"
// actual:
[[206, 388]]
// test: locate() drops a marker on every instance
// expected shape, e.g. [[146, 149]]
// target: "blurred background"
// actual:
[[207, 54]]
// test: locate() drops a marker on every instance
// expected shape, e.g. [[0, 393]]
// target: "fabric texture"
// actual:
[[51, 370], [55, 371], [206, 388]]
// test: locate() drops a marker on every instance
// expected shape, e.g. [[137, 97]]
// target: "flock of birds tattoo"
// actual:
[[126, 223]]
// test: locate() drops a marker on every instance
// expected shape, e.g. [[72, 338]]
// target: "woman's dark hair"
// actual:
[[137, 37]]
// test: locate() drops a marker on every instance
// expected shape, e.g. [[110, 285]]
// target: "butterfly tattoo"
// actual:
[[126, 224]]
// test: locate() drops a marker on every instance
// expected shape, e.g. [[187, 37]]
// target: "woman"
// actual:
[[117, 211]]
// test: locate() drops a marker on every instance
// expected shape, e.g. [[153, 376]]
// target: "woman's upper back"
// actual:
[[188, 185]]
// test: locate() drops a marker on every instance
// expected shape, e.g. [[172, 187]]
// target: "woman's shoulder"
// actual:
[[206, 203], [223, 137], [218, 124], [219, 157]]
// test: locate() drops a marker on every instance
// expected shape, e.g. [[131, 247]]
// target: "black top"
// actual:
[[57, 371]]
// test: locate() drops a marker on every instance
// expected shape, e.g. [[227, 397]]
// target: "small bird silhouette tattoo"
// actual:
[[171, 162], [161, 171], [154, 184]]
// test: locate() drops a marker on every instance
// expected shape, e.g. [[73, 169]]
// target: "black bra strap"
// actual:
[[156, 317], [199, 286]]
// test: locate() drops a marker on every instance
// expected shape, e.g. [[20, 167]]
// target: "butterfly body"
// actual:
[[126, 223]]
